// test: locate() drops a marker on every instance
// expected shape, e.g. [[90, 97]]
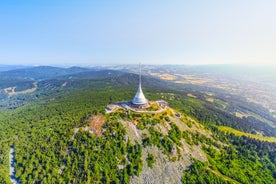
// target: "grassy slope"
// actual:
[[240, 133]]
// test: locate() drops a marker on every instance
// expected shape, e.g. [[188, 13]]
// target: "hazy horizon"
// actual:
[[83, 33], [136, 64]]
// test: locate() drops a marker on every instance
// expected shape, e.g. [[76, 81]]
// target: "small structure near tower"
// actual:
[[139, 99]]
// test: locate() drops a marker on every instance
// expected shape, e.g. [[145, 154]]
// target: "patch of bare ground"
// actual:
[[11, 90], [163, 170], [181, 125], [95, 126], [210, 100], [163, 128], [183, 122], [198, 127], [198, 154], [181, 82], [64, 84], [164, 76], [133, 134], [192, 151], [190, 79], [209, 94], [191, 95], [195, 127], [241, 115]]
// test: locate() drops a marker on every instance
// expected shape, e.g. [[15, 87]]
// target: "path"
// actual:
[[13, 178]]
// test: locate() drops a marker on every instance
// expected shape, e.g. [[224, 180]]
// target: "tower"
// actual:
[[139, 98]]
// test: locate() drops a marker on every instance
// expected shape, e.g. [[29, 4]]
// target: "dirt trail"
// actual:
[[13, 179]]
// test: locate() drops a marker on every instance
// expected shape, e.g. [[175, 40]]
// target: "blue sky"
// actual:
[[67, 32]]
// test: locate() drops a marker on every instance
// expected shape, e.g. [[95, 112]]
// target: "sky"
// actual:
[[107, 32]]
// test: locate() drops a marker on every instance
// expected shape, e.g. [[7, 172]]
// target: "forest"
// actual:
[[41, 126]]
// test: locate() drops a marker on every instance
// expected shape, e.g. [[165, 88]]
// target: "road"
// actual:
[[13, 179]]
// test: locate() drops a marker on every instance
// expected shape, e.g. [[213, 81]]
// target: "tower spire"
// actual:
[[139, 98], [140, 85]]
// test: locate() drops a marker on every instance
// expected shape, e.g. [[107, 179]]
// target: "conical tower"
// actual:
[[139, 98]]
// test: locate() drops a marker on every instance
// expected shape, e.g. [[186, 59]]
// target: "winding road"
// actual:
[[13, 178]]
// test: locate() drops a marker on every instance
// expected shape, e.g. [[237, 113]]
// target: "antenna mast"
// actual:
[[139, 74]]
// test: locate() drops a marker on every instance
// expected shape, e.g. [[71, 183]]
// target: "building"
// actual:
[[139, 99]]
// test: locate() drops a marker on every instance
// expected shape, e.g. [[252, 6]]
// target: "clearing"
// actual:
[[96, 125], [11, 90]]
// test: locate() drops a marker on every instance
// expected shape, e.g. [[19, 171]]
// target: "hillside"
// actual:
[[62, 134], [19, 79], [206, 103], [40, 72]]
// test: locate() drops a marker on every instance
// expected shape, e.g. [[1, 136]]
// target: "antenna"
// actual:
[[140, 74]]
